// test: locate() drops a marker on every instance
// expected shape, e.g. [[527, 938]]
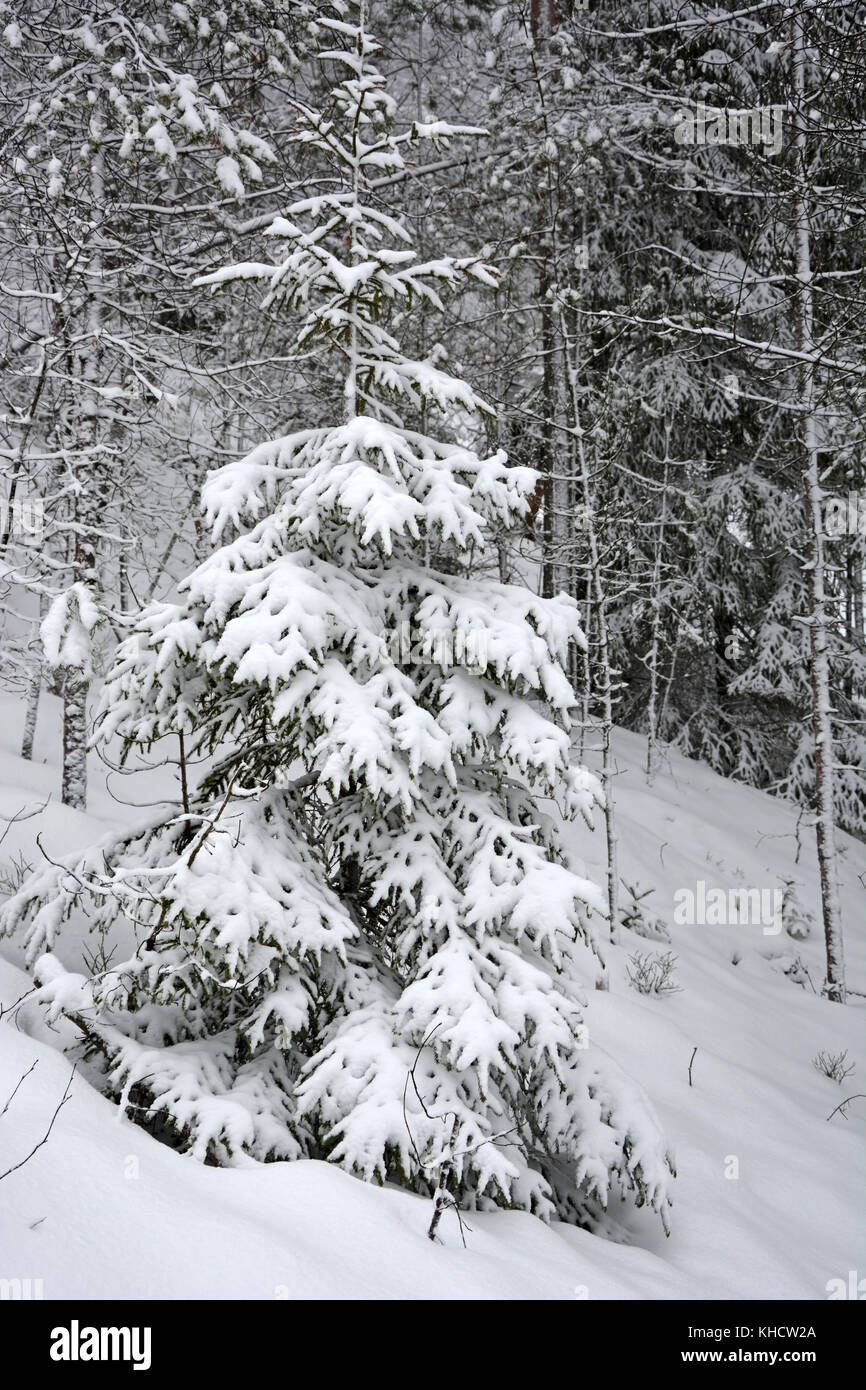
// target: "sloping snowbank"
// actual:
[[102, 1210]]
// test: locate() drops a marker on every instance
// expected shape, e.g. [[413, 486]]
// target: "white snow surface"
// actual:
[[105, 1211]]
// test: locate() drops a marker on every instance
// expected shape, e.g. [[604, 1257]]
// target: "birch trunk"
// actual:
[[819, 659], [90, 509], [652, 712], [596, 579]]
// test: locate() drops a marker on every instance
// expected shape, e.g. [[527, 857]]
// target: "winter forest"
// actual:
[[432, 649]]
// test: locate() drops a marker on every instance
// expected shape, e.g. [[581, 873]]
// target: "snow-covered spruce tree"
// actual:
[[370, 882]]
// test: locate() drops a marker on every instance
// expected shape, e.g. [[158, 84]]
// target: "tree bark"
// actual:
[[819, 658]]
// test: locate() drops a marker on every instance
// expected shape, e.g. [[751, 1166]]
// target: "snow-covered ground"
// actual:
[[768, 1199]]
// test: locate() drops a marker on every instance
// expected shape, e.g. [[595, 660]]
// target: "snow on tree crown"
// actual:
[[343, 257]]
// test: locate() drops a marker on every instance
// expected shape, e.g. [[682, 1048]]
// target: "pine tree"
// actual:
[[362, 938]]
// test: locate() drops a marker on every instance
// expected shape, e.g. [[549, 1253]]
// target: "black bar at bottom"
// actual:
[[216, 1341]]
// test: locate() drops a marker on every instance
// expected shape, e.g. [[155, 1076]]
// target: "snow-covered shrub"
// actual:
[[796, 919], [639, 918], [14, 872], [833, 1065], [652, 973]]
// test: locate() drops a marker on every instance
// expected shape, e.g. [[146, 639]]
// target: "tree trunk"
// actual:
[[92, 497], [819, 658], [596, 579], [74, 783], [34, 689], [652, 712]]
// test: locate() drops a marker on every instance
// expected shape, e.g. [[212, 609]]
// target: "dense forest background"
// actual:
[[673, 195]]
